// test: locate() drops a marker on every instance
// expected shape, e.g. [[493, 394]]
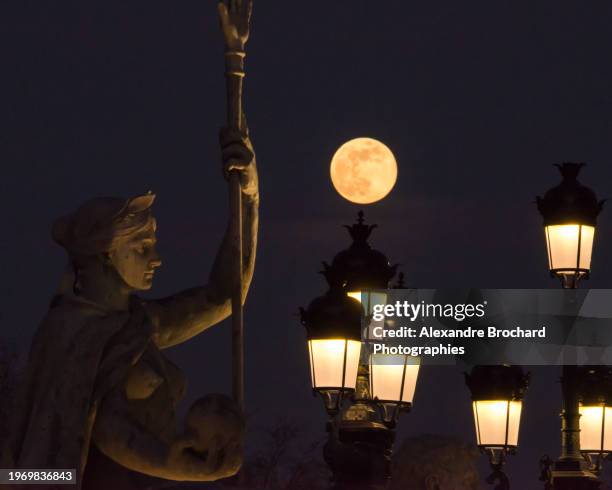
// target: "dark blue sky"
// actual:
[[476, 99]]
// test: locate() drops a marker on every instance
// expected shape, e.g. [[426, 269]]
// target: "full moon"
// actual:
[[363, 170]]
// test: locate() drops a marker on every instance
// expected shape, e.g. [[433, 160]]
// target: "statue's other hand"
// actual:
[[237, 155], [229, 457], [235, 16], [178, 447], [222, 458], [217, 424], [185, 462]]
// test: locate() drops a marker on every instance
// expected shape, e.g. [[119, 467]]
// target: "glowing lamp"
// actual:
[[569, 248], [570, 213], [393, 380], [497, 422], [333, 363], [595, 411], [497, 400], [333, 331], [595, 427]]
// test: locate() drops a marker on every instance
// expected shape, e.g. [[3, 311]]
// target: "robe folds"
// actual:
[[79, 353]]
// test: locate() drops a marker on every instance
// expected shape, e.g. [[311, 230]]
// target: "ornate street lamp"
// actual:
[[570, 213], [366, 273], [393, 380], [361, 436], [497, 401], [333, 330], [596, 414]]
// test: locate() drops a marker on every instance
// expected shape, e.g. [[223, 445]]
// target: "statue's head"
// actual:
[[435, 462], [112, 235]]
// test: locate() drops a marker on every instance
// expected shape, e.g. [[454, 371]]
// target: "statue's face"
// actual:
[[135, 258]]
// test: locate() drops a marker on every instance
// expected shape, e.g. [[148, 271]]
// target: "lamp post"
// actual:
[[570, 213], [497, 401], [360, 429]]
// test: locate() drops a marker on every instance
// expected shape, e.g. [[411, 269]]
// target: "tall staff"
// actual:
[[235, 17]]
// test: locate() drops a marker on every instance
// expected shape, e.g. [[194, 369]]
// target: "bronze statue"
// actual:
[[98, 394]]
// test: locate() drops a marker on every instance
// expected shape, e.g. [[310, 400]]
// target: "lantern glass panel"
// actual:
[[594, 419], [356, 295], [492, 418], [327, 358], [369, 298], [564, 242], [386, 374]]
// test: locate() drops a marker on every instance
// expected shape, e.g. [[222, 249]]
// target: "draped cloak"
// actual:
[[78, 354]]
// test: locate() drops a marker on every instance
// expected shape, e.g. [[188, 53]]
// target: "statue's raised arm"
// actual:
[[186, 314], [179, 317]]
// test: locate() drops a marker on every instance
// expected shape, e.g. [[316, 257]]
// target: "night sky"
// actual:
[[476, 99]]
